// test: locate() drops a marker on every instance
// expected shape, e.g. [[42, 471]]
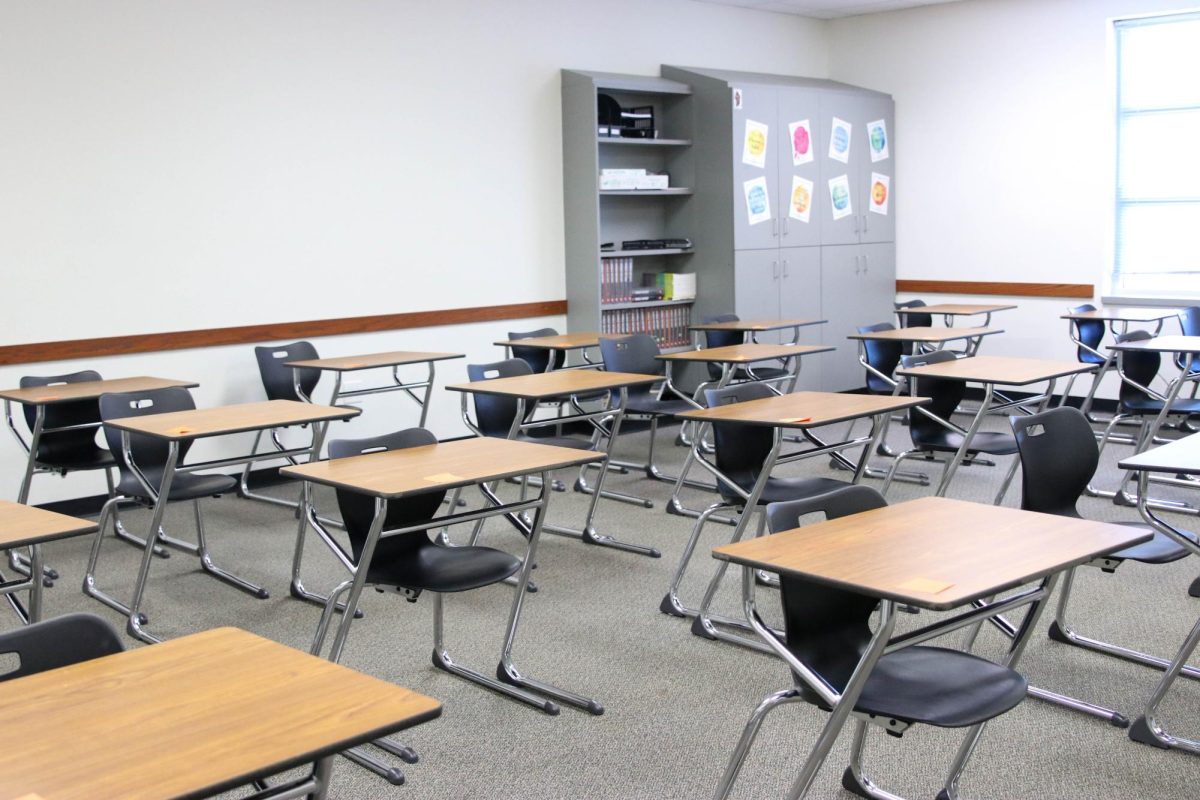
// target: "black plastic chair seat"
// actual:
[[75, 458], [1148, 405], [936, 686], [782, 490], [1162, 549], [648, 404], [1086, 357], [556, 441], [760, 373], [184, 486], [576, 428], [436, 568], [946, 441]]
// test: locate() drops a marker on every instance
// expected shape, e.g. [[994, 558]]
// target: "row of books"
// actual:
[[667, 324], [617, 284], [616, 280]]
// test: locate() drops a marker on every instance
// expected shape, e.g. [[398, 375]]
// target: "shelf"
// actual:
[[644, 304], [644, 142], [642, 192], [671, 251]]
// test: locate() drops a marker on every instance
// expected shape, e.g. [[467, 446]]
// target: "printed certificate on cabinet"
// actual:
[[758, 203], [839, 140], [802, 144], [881, 192], [878, 139], [754, 145], [839, 196], [801, 206]]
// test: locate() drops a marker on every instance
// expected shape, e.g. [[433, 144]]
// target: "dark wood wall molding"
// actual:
[[253, 334], [1076, 290]]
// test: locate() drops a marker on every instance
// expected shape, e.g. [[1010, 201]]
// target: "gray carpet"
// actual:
[[674, 704]]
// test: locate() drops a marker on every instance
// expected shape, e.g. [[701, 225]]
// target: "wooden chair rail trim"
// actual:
[[1084, 290], [255, 334]]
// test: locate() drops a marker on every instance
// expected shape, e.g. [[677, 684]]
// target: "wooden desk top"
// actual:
[[22, 525], [743, 353], [1120, 314], [804, 409], [202, 422], [352, 363], [445, 465], [999, 369], [934, 552], [1162, 344], [756, 325], [190, 717], [956, 309], [89, 390], [556, 383], [1181, 456], [565, 341], [926, 334]]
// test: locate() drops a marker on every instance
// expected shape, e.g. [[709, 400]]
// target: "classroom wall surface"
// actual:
[[1005, 120], [184, 165]]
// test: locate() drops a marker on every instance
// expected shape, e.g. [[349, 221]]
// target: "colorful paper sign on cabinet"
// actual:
[[839, 140], [758, 203], [878, 139], [839, 196], [881, 193], [754, 147], [801, 205], [802, 144]]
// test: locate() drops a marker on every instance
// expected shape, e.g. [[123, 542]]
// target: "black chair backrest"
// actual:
[[721, 339], [944, 396], [740, 449], [883, 356], [826, 628], [1090, 332], [56, 448], [1189, 325], [635, 354], [1059, 455], [358, 510], [1140, 367], [537, 358], [494, 414], [58, 642], [914, 320], [148, 452], [277, 379]]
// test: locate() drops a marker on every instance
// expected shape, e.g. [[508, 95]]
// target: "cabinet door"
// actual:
[[800, 298], [843, 303], [878, 281], [839, 199], [756, 195], [876, 178], [756, 284], [799, 167]]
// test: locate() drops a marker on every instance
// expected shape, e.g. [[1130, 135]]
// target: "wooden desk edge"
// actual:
[[327, 365], [905, 401], [346, 412]]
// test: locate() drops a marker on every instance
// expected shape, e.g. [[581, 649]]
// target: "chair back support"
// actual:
[[721, 339], [914, 320], [277, 379], [537, 358], [494, 414], [1140, 367], [148, 452], [58, 642], [1189, 325], [883, 356], [64, 446], [944, 395], [1088, 331], [1058, 457], [634, 354], [358, 510], [826, 628], [740, 449]]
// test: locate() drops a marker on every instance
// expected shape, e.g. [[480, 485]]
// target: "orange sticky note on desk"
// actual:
[[443, 477], [46, 399], [180, 431], [925, 586], [798, 419]]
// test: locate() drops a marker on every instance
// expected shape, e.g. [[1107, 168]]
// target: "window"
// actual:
[[1157, 248]]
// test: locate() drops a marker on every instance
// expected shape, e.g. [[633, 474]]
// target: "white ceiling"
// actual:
[[827, 9]]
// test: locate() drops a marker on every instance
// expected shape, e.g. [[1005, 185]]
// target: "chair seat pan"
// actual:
[[944, 441], [557, 441], [436, 568], [1148, 405], [936, 686], [649, 405], [97, 458], [760, 373], [577, 428], [782, 490], [1162, 549], [184, 486]]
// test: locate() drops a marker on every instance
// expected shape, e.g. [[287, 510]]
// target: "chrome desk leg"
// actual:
[[952, 467], [1147, 729], [137, 620]]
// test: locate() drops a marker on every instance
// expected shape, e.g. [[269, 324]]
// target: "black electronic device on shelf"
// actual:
[[656, 244], [636, 122]]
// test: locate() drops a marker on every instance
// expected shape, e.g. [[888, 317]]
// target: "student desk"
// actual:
[[800, 411], [395, 474], [992, 371], [561, 343], [25, 526], [932, 553], [530, 390], [948, 311], [193, 717], [1180, 457], [202, 423], [927, 338], [754, 327], [732, 357]]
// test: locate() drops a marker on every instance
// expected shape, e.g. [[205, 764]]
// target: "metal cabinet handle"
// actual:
[[775, 268], [785, 267], [856, 268], [864, 223], [774, 226], [785, 230], [866, 264], [856, 223]]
